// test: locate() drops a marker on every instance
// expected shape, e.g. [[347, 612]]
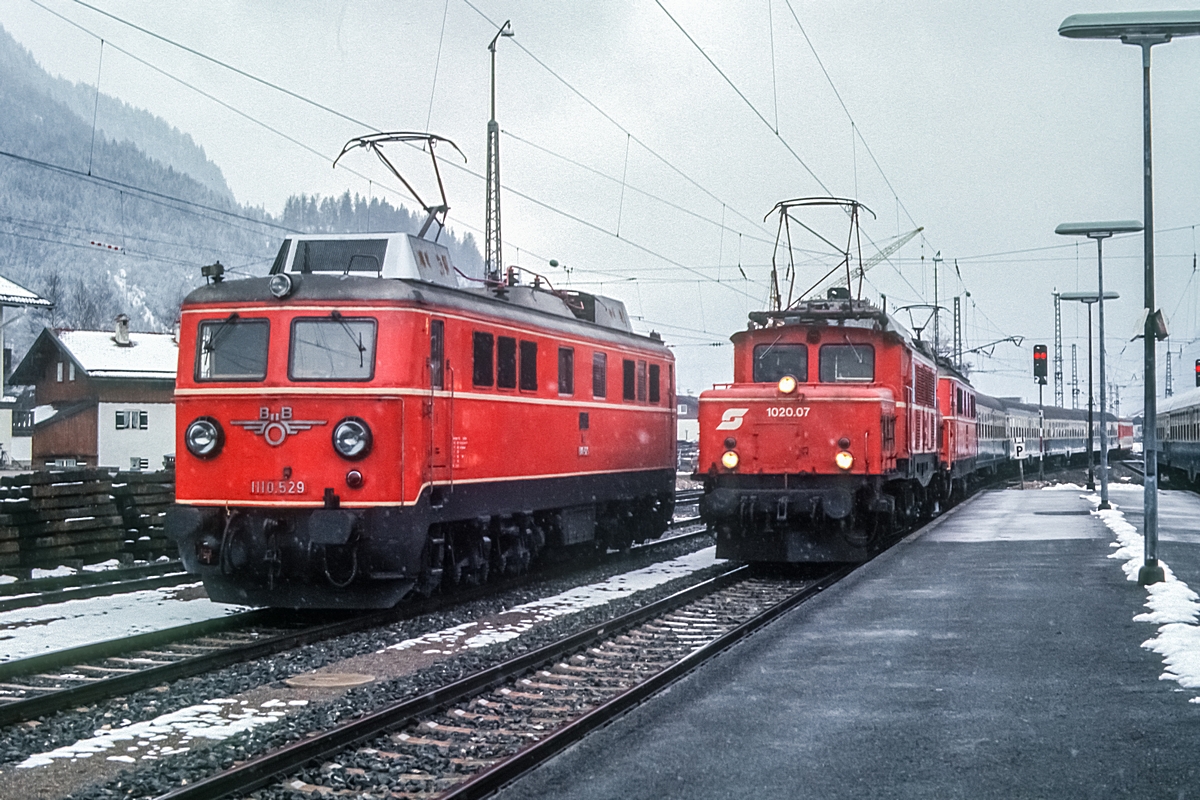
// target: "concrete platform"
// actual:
[[993, 656]]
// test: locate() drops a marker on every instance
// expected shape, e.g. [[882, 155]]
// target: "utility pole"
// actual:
[[1058, 354], [492, 256], [1169, 378], [1074, 379], [937, 259], [958, 344]]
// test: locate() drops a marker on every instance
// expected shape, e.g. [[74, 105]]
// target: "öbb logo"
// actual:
[[732, 418]]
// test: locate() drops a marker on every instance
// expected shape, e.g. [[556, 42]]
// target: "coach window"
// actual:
[[773, 361], [847, 363], [232, 349], [566, 370], [437, 354], [506, 362], [654, 377], [481, 372], [333, 348], [600, 375], [529, 381], [627, 372]]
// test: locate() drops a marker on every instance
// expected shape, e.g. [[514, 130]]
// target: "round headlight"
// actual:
[[844, 460], [787, 384], [204, 437], [281, 285], [729, 459], [352, 438]]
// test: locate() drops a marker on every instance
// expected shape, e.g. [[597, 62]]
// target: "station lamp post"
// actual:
[[1099, 231], [1144, 29], [1090, 298]]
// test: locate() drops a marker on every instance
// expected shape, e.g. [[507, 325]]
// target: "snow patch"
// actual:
[[1172, 604]]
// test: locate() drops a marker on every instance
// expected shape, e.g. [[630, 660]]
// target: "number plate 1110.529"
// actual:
[[276, 487]]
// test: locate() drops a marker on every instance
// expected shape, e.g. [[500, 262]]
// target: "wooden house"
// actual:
[[104, 399]]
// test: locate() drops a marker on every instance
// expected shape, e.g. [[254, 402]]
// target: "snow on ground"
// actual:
[[33, 631], [512, 623], [1172, 605], [167, 734]]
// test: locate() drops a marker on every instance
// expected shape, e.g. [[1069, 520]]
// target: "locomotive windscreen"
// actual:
[[847, 363], [773, 361], [232, 349], [339, 255], [332, 349]]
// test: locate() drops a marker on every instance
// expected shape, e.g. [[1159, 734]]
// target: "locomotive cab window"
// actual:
[[566, 371], [333, 348], [232, 349], [847, 363], [506, 363], [482, 369], [529, 380], [600, 375], [773, 361]]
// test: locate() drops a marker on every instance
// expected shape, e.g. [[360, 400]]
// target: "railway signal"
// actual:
[[1198, 371], [1039, 363]]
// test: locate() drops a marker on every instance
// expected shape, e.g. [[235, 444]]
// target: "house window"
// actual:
[[138, 464], [70, 370], [60, 371], [133, 419]]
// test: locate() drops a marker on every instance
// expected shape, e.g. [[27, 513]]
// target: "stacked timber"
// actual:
[[89, 515], [143, 499], [63, 516]]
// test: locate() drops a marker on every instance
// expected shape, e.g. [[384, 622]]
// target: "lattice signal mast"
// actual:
[[492, 256]]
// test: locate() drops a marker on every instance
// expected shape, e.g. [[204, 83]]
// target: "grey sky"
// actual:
[[990, 127]]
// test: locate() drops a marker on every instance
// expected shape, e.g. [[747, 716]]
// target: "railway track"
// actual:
[[82, 585], [41, 685], [467, 739]]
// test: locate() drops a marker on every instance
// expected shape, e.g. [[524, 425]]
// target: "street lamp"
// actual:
[[1144, 29], [1089, 298], [1099, 231]]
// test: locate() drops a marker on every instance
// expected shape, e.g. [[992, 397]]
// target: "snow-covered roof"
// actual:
[[149, 355], [12, 294]]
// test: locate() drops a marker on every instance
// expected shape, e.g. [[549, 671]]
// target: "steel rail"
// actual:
[[258, 772], [101, 589]]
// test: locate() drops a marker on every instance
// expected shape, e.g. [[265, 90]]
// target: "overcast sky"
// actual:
[[629, 158]]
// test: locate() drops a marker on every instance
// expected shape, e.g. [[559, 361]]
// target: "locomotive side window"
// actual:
[[437, 354], [481, 371], [566, 370], [529, 382], [333, 348], [600, 375], [627, 373], [654, 378], [506, 363], [641, 381], [847, 363], [232, 349], [773, 361]]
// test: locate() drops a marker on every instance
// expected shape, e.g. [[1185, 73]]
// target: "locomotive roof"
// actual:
[[519, 303]]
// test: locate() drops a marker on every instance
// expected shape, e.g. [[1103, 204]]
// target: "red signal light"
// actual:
[[1198, 371], [1039, 363]]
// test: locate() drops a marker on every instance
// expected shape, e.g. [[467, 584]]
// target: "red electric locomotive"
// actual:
[[829, 435], [367, 422], [357, 426]]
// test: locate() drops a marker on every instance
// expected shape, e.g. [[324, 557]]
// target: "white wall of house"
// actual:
[[22, 450], [146, 433]]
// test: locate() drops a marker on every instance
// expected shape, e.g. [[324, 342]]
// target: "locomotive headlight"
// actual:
[[787, 384], [729, 459], [352, 438], [281, 285], [843, 459], [204, 437]]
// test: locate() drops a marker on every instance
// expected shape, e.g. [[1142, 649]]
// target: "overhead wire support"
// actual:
[[493, 258], [1058, 352]]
